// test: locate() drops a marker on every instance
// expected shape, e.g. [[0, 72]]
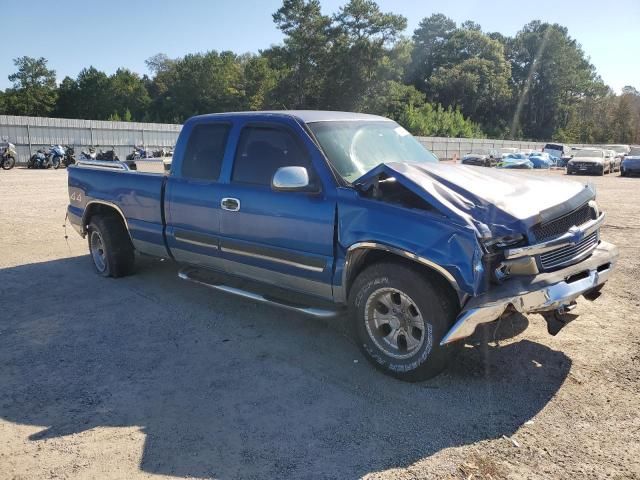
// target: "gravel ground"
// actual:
[[148, 375]]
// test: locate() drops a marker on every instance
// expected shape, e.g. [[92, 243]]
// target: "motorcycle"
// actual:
[[8, 156], [88, 154], [163, 152], [137, 153], [108, 156], [69, 156], [39, 159], [56, 156]]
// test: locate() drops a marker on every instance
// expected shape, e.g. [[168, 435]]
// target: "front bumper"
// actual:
[[585, 167], [535, 294]]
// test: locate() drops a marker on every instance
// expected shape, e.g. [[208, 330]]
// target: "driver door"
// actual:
[[284, 238]]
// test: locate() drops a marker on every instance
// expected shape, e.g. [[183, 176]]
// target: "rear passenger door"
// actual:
[[193, 194], [281, 238]]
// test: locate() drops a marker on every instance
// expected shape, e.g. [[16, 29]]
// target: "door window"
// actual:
[[262, 150], [205, 151]]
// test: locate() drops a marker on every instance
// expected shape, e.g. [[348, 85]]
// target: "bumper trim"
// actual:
[[547, 292]]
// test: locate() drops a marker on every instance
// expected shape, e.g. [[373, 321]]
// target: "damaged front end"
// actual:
[[538, 245]]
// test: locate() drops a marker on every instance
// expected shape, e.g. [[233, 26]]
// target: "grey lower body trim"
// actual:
[[186, 274], [278, 279], [149, 248]]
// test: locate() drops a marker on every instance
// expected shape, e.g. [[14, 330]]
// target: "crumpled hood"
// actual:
[[504, 202]]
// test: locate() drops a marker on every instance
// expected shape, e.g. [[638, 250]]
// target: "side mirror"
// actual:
[[290, 179]]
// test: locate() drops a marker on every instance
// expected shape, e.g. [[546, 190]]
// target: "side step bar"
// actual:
[[188, 274]]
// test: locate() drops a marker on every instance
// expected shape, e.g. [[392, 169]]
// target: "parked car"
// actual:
[[620, 151], [614, 160], [589, 160], [515, 160], [631, 162], [330, 212], [478, 159]]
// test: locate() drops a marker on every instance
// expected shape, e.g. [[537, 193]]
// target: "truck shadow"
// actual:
[[222, 387]]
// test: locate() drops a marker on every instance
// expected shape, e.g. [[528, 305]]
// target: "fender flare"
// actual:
[[438, 269], [112, 205]]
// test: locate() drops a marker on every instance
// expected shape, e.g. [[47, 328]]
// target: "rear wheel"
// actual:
[[110, 246], [399, 316]]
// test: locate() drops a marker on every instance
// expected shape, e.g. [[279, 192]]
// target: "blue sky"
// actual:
[[107, 34]]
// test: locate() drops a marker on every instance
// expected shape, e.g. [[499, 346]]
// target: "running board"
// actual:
[[187, 274]]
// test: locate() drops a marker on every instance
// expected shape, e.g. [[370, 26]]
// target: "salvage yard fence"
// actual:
[[31, 133]]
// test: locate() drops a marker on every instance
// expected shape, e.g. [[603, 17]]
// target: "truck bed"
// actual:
[[137, 195]]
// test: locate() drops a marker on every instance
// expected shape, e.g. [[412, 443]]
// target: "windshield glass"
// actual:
[[635, 151], [589, 153], [355, 147]]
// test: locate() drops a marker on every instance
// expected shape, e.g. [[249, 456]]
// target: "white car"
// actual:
[[590, 160]]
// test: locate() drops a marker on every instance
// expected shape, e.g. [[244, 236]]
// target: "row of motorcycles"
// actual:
[[140, 152], [64, 155]]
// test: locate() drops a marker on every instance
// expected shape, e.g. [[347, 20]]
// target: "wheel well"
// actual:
[[364, 257], [94, 209]]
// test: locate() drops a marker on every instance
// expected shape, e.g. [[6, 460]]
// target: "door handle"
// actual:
[[230, 204]]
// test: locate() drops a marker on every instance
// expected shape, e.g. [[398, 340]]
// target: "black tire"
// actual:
[[601, 173], [8, 163], [55, 163], [430, 301], [117, 254]]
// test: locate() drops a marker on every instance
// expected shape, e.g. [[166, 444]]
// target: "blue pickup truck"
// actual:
[[335, 213]]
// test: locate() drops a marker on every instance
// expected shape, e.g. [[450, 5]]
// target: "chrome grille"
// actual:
[[560, 226], [571, 254]]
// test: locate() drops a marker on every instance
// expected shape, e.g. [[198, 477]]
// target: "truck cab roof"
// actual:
[[306, 116]]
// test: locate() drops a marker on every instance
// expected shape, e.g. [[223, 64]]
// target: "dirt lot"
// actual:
[[148, 375]]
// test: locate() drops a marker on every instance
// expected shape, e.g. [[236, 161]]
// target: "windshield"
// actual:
[[589, 153], [355, 147], [517, 156], [635, 151]]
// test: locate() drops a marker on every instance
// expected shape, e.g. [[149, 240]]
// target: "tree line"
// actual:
[[445, 80]]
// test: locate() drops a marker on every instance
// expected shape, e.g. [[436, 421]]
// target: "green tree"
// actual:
[[301, 59], [429, 39], [437, 121], [366, 54], [551, 75], [128, 94], [200, 83], [474, 76], [259, 82], [34, 88]]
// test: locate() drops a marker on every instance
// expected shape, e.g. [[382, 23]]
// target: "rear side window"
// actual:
[[262, 150], [205, 151]]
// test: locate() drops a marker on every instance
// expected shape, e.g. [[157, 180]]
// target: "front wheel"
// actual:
[[55, 163], [399, 317], [8, 163]]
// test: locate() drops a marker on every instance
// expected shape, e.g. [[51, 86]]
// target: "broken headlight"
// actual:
[[499, 243]]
